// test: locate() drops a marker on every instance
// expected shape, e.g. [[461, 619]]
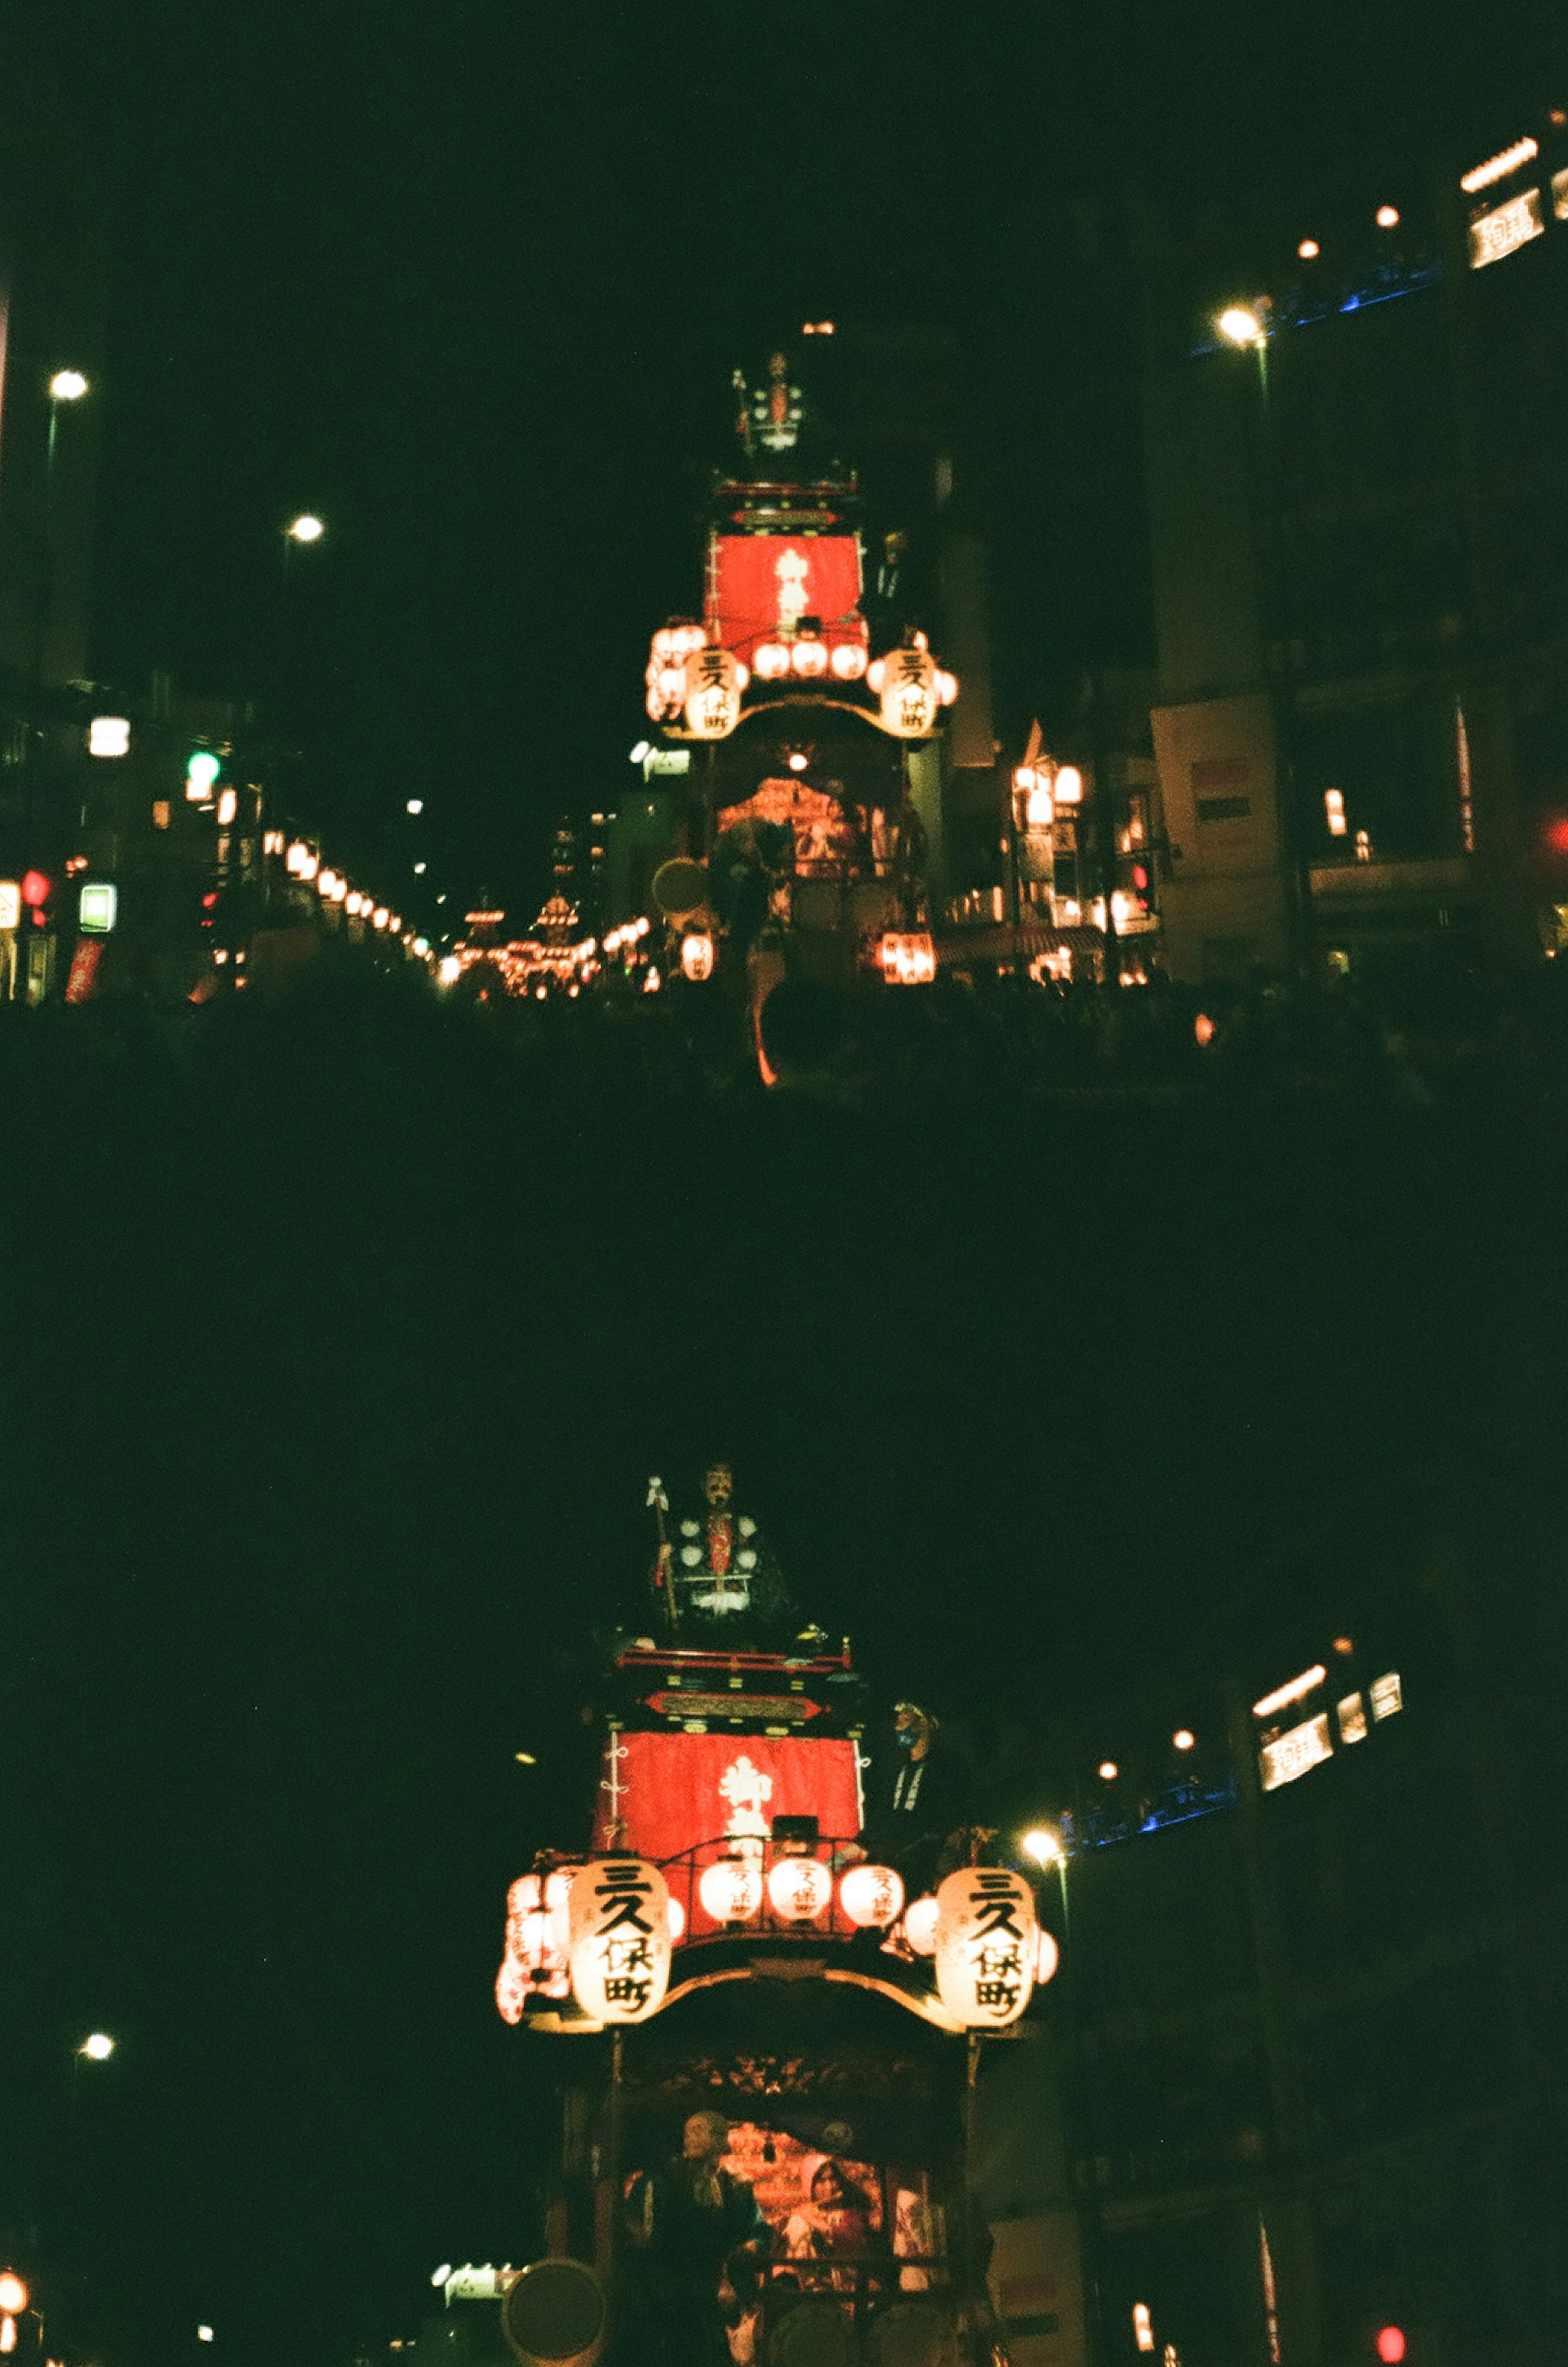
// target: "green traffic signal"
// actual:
[[201, 770]]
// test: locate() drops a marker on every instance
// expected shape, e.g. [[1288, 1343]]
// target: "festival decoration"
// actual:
[[987, 1951], [620, 1939], [1047, 1957], [871, 1896], [910, 694], [798, 1889], [908, 959], [714, 682], [696, 955], [732, 1890], [919, 1926]]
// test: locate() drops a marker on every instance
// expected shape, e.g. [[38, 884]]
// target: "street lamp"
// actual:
[[1044, 1847], [306, 527], [97, 2047]]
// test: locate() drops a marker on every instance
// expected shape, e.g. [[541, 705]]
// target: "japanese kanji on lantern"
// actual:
[[620, 1939], [715, 680], [987, 1951], [910, 693]]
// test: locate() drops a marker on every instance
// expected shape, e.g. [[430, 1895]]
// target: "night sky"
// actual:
[[338, 1356]]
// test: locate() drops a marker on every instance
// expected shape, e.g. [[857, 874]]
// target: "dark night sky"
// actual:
[[337, 1365]]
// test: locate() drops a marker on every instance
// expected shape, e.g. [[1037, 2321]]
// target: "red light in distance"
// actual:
[[1391, 2344], [35, 888]]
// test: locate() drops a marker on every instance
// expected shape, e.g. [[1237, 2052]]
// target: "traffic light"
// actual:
[[1143, 887], [1391, 2345], [202, 768]]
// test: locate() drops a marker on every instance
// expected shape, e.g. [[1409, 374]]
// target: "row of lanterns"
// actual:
[[688, 675], [302, 863], [604, 1933]]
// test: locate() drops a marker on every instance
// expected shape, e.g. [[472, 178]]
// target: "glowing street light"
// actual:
[[1240, 325], [1184, 1740], [67, 386], [306, 527], [97, 2047], [13, 2292], [1044, 1846], [414, 806]]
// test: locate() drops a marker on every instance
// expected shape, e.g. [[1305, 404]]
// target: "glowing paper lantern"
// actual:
[[696, 955], [770, 660], [909, 693], [908, 959], [849, 660], [677, 1921], [1047, 1957], [986, 1947], [919, 1926], [871, 1896], [620, 1939], [946, 686], [713, 681], [799, 1889], [810, 658], [732, 1890], [876, 675]]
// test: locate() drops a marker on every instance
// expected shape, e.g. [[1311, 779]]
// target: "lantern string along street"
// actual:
[[732, 1954]]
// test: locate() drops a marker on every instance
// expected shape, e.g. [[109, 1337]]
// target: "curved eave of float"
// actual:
[[922, 2003], [803, 698]]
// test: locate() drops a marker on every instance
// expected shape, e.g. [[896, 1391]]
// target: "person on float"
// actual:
[[691, 2223], [719, 1582], [834, 2222], [915, 1818]]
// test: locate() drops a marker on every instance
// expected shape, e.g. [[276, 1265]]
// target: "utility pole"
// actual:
[[1290, 2239]]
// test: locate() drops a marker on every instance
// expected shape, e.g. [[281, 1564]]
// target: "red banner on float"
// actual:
[[760, 583], [665, 1794]]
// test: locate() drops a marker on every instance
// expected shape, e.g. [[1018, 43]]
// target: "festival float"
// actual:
[[729, 1946], [810, 726]]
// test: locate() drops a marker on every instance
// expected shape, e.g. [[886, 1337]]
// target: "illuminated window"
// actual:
[[1388, 1697], [1334, 811], [1352, 1713], [160, 814], [1142, 2331]]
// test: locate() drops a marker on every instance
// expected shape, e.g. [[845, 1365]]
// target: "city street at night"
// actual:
[[784, 1016]]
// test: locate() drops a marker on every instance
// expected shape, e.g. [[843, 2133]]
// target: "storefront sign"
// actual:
[[1506, 227]]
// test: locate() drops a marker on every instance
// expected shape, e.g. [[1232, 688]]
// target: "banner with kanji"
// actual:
[[664, 1793], [762, 583]]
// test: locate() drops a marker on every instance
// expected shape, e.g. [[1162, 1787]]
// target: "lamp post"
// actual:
[[1244, 326]]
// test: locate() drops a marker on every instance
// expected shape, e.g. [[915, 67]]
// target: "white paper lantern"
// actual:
[[910, 696], [1047, 1957], [849, 660], [810, 659], [713, 681], [919, 1927], [871, 1896], [799, 1889], [986, 1947], [620, 1939], [677, 1922], [732, 1890]]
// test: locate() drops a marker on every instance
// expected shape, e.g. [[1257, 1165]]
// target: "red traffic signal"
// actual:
[[1391, 2345], [36, 886]]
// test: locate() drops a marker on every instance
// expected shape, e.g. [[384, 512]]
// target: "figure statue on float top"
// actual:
[[716, 1581]]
